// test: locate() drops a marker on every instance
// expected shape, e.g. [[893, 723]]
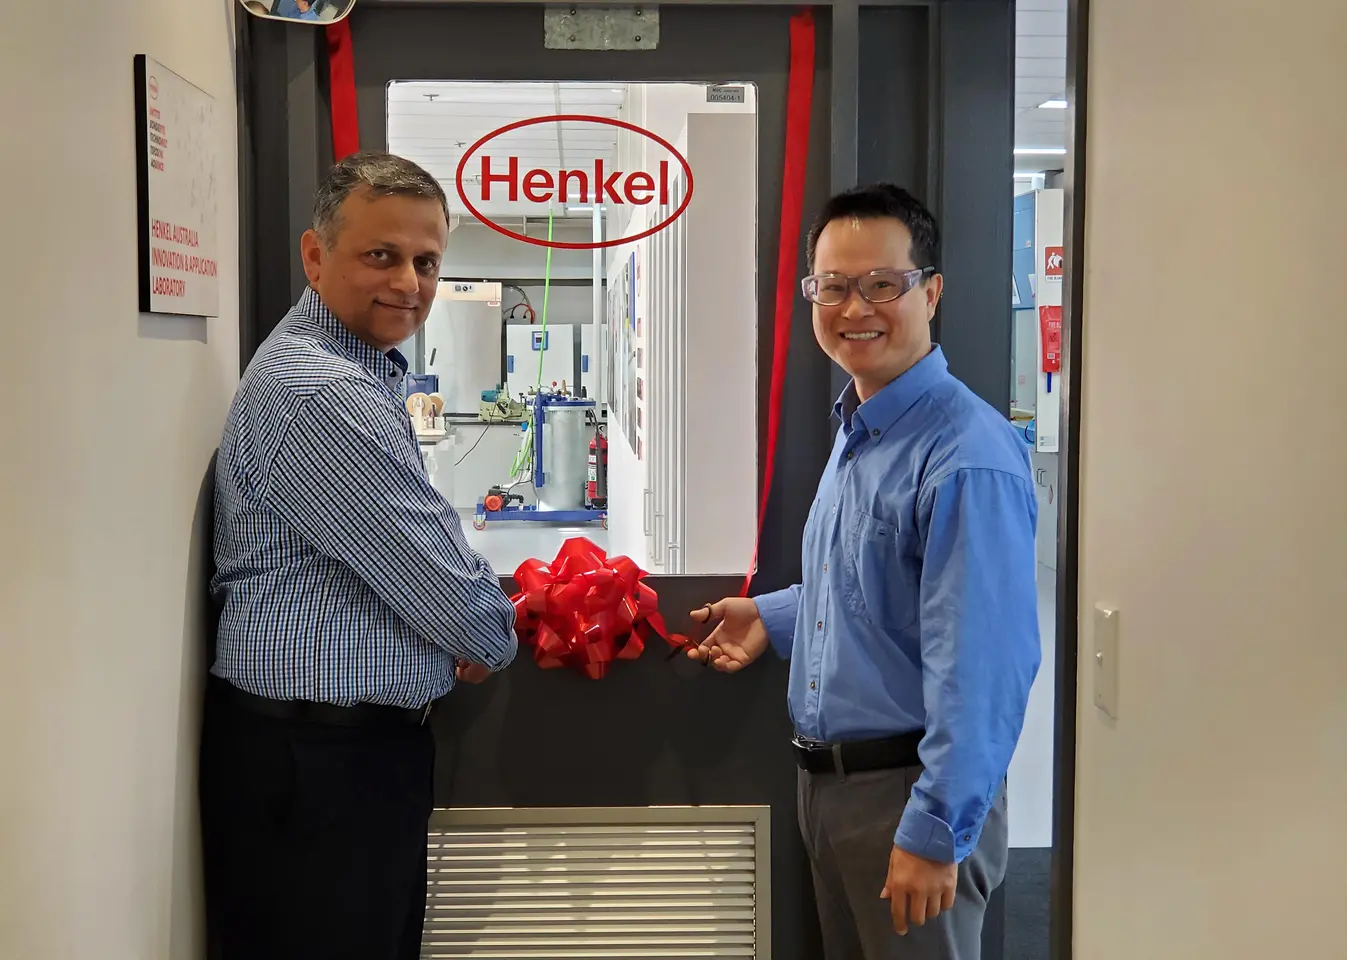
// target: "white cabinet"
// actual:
[[536, 356], [1045, 489]]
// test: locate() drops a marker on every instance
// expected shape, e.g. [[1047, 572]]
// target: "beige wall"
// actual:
[[1212, 818], [110, 419]]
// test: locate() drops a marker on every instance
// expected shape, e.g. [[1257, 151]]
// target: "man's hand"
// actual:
[[917, 889], [471, 672], [739, 636]]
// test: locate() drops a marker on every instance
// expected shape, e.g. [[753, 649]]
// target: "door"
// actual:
[[924, 100]]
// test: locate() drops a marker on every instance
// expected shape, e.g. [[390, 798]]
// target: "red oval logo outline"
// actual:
[[570, 245]]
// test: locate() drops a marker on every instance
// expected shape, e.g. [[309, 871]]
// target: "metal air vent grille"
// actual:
[[669, 882]]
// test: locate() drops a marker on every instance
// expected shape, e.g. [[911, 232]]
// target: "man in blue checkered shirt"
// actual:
[[350, 599]]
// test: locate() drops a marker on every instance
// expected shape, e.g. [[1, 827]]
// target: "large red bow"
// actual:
[[585, 610]]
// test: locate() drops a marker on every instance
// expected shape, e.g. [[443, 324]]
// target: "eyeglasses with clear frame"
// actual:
[[877, 286]]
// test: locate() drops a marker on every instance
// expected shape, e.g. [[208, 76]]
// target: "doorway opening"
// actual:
[[1038, 386], [596, 317]]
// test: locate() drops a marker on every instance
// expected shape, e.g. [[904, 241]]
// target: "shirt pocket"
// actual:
[[884, 585]]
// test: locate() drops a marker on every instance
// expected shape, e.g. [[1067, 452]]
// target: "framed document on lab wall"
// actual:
[[176, 148]]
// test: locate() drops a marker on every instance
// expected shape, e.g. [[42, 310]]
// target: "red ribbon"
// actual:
[[584, 610], [341, 90], [799, 103]]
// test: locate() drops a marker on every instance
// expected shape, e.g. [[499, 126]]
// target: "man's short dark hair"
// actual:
[[385, 175], [877, 201]]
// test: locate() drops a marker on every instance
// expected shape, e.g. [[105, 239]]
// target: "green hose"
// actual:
[[547, 289], [524, 456]]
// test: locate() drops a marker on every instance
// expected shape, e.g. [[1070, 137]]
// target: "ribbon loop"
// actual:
[[584, 610]]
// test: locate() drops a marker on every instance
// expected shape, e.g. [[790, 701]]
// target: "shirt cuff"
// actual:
[[778, 616], [929, 837]]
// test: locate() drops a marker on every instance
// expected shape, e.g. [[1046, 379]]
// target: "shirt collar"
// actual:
[[883, 409], [388, 367]]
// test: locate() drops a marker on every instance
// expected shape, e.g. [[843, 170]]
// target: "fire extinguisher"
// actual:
[[596, 490], [1050, 341]]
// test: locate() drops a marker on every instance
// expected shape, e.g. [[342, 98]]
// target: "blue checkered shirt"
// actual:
[[343, 575]]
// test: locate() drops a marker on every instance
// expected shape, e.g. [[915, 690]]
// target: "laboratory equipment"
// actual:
[[426, 383], [497, 406], [559, 433], [536, 358], [589, 361], [461, 343], [596, 489]]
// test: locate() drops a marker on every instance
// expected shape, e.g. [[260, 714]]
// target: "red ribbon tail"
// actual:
[[341, 90], [799, 103]]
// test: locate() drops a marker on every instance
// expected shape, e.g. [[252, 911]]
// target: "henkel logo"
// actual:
[[485, 175]]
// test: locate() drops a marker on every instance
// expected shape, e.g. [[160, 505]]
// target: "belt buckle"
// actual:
[[809, 749]]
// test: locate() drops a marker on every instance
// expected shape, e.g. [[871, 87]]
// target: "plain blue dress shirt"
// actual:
[[918, 607]]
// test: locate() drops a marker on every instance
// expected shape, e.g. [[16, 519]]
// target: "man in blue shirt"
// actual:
[[913, 636], [350, 600], [295, 10]]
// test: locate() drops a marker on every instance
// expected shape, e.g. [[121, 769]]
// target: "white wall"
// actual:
[[662, 109], [1210, 819], [719, 398], [721, 394], [110, 421], [476, 252]]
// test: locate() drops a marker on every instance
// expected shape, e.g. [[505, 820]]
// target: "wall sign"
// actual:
[[724, 93], [176, 148], [1054, 260]]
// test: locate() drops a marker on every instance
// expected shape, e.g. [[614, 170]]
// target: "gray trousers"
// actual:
[[848, 823]]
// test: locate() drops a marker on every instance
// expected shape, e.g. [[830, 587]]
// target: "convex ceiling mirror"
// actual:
[[317, 12]]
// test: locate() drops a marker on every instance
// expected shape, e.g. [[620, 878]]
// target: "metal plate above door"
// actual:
[[587, 27]]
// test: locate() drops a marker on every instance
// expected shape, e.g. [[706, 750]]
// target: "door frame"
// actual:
[[1066, 693], [843, 97]]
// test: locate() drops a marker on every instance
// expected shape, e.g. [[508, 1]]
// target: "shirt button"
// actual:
[[819, 625], [812, 685], [825, 568], [851, 454], [874, 433]]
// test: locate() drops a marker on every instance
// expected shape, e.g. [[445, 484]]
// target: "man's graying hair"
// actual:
[[384, 175]]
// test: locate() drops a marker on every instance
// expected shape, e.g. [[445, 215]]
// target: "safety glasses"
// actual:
[[877, 286]]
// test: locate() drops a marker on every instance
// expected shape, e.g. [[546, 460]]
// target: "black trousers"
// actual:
[[313, 836]]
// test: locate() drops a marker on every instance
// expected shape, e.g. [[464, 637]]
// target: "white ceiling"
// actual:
[[434, 124], [1040, 75]]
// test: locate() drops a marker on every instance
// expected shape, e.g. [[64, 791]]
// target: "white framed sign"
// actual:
[[176, 148]]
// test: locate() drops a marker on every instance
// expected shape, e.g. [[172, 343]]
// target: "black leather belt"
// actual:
[[857, 756], [308, 711]]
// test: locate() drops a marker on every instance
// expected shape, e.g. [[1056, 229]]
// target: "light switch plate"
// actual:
[[1106, 659]]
